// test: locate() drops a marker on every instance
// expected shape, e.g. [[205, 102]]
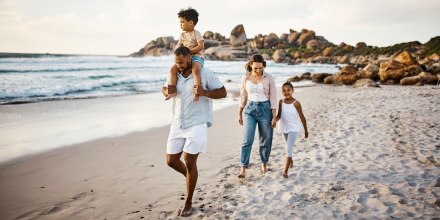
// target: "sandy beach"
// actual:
[[372, 153]]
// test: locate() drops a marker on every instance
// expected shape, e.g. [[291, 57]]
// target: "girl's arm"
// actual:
[[279, 110], [301, 116]]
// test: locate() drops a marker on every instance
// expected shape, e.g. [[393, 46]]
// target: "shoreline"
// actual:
[[350, 166]]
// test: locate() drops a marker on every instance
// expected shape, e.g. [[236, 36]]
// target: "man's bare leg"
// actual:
[[191, 181], [173, 161]]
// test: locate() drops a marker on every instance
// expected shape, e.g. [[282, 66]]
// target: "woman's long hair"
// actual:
[[254, 58]]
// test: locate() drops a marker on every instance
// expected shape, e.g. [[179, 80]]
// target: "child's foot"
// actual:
[[171, 92], [195, 98], [285, 175], [170, 95]]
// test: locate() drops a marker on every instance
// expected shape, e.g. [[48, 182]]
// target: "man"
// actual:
[[188, 131]]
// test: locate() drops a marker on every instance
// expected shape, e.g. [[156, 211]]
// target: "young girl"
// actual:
[[292, 122]]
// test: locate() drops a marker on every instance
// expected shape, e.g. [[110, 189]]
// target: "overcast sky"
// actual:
[[119, 27]]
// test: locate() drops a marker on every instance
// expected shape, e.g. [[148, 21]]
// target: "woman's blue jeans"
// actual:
[[256, 113]]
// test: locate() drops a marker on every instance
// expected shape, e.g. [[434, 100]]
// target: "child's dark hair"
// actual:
[[254, 58], [189, 14], [287, 84], [184, 51]]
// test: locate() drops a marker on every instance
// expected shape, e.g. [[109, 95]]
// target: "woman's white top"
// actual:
[[290, 121], [255, 92]]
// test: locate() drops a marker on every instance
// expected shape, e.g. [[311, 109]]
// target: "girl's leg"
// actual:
[[290, 139], [172, 82]]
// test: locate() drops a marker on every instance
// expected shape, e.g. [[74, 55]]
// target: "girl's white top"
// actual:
[[255, 92], [290, 121]]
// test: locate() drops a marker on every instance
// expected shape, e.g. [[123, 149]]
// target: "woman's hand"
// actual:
[[274, 122], [240, 119]]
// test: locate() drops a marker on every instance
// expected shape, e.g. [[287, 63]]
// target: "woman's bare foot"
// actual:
[[242, 173], [263, 168], [186, 210]]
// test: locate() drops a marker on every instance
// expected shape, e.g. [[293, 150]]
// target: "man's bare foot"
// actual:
[[263, 168], [170, 95], [285, 175], [186, 211], [242, 173]]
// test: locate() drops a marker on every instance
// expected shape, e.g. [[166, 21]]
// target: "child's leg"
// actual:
[[196, 68], [172, 82], [290, 139]]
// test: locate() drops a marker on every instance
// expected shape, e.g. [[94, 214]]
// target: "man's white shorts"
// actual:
[[191, 140]]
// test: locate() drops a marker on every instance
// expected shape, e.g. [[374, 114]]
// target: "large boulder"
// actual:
[[344, 60], [258, 42], [371, 71], [305, 37], [238, 36], [306, 76], [327, 52], [279, 56], [271, 40], [211, 43], [312, 44], [361, 45], [283, 37], [319, 77], [292, 38], [208, 35], [219, 37], [428, 78], [347, 75], [226, 53], [409, 81], [391, 70], [363, 83], [328, 80], [406, 58]]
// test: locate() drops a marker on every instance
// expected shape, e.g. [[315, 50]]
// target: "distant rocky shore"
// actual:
[[411, 63]]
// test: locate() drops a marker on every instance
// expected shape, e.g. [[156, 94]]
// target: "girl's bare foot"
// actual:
[[285, 175]]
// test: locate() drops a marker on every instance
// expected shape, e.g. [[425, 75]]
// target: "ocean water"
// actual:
[[54, 101], [46, 78]]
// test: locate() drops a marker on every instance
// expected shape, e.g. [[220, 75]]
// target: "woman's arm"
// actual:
[[301, 116]]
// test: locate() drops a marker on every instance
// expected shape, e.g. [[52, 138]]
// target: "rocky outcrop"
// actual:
[[403, 65], [159, 47], [238, 36], [363, 83], [271, 40], [371, 71]]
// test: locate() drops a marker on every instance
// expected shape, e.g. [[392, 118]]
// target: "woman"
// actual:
[[258, 103]]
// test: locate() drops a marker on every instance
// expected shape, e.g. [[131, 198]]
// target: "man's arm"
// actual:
[[213, 94]]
